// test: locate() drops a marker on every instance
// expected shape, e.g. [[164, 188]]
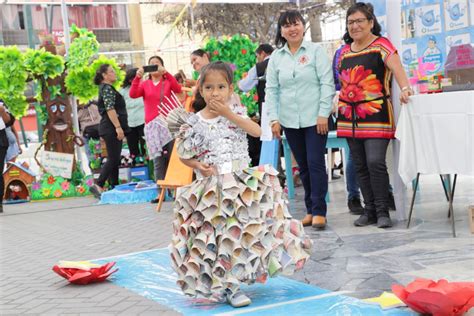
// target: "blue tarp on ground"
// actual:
[[150, 274], [134, 192]]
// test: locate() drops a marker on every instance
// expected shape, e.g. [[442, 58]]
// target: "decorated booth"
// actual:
[[435, 42], [57, 88]]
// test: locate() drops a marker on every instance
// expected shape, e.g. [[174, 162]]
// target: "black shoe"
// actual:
[[368, 218], [335, 176], [154, 201], [95, 190], [384, 222], [383, 219], [391, 202], [355, 206]]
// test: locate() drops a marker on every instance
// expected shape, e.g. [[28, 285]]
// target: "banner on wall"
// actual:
[[456, 14], [471, 10], [431, 27], [427, 20], [456, 40]]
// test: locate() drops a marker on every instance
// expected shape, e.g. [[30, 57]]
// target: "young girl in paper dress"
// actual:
[[232, 223]]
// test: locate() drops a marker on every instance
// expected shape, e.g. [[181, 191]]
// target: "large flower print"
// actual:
[[359, 84]]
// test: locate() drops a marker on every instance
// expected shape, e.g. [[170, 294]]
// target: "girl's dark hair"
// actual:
[[99, 74], [366, 9], [287, 17], [198, 103], [219, 66], [157, 57], [129, 76], [201, 53]]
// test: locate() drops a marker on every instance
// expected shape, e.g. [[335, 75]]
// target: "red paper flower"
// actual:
[[358, 84], [255, 98], [216, 52], [51, 180], [244, 51], [440, 298], [84, 272]]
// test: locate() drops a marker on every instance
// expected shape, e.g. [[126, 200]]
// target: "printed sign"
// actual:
[[471, 8], [409, 54], [428, 20], [456, 40], [58, 164], [456, 14], [432, 53]]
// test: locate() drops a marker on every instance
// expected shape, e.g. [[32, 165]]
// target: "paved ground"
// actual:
[[365, 261]]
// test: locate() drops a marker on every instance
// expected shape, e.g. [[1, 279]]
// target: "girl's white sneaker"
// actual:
[[238, 299]]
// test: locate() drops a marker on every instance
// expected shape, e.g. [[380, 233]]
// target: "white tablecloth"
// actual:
[[436, 133]]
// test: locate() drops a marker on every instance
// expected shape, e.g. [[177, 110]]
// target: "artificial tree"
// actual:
[[13, 77], [238, 51], [55, 80]]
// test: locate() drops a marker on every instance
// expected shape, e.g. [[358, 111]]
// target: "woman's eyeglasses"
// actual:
[[357, 21]]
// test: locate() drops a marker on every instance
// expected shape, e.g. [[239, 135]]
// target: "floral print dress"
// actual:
[[365, 109], [233, 227]]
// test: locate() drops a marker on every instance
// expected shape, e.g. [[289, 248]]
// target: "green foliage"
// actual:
[[104, 60], [13, 78], [39, 92], [95, 154], [42, 113], [55, 90], [80, 83], [77, 176], [50, 187], [237, 50], [82, 49], [40, 63]]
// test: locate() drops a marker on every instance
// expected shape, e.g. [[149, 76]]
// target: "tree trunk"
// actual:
[[315, 27]]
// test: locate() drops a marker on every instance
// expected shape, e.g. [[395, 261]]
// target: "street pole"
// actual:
[[67, 43], [31, 44], [191, 11]]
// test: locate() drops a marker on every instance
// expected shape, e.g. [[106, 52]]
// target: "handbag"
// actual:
[[91, 131]]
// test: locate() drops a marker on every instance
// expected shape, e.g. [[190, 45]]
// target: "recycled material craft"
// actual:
[[440, 298], [232, 227], [84, 272]]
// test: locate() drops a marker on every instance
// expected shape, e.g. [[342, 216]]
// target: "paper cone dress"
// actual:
[[233, 227]]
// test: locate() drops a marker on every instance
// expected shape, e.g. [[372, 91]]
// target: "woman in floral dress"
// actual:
[[366, 65]]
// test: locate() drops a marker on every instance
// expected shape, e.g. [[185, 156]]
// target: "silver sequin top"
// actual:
[[215, 141]]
